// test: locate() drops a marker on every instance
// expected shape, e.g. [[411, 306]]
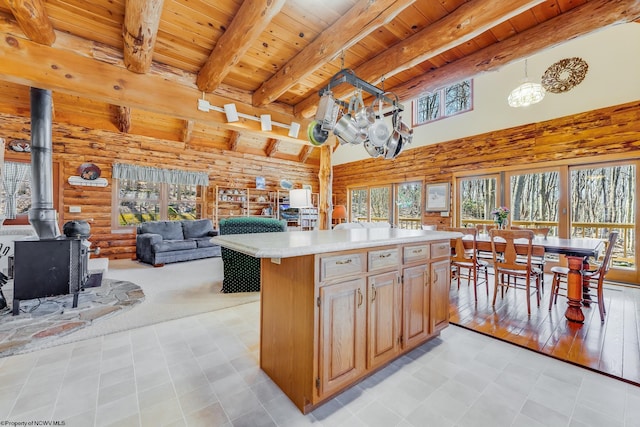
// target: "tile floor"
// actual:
[[203, 371]]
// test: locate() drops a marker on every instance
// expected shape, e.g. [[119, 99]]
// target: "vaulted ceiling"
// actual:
[[140, 66]]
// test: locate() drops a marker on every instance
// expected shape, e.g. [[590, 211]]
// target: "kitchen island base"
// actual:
[[330, 320]]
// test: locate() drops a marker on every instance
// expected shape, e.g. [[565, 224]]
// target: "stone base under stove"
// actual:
[[41, 321]]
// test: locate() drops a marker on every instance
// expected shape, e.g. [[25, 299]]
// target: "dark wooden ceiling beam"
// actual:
[[591, 16], [272, 147], [139, 33], [360, 21], [463, 24], [33, 20], [247, 25]]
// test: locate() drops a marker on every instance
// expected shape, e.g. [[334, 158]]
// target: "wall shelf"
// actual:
[[98, 182]]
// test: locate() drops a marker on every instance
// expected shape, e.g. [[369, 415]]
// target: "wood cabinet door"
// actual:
[[416, 305], [440, 283], [342, 341], [383, 326]]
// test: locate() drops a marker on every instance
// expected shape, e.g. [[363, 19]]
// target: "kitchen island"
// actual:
[[338, 305]]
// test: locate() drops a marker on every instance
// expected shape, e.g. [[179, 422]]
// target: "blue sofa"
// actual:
[[162, 242]]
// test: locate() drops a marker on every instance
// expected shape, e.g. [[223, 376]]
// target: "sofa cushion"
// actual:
[[197, 228], [204, 242], [174, 245], [169, 230]]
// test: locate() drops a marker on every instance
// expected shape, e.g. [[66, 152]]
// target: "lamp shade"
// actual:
[[339, 212], [300, 198], [526, 94]]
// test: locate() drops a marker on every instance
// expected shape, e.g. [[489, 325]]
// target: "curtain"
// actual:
[[13, 174], [151, 174]]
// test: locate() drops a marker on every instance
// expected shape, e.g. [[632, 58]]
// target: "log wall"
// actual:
[[610, 130], [605, 131], [74, 145]]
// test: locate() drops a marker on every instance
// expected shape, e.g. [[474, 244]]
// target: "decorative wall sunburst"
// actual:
[[564, 75]]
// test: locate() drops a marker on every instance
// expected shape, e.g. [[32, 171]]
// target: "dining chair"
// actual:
[[506, 246], [537, 260], [484, 229], [594, 278], [466, 259]]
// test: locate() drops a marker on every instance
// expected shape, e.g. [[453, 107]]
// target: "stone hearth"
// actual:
[[43, 320]]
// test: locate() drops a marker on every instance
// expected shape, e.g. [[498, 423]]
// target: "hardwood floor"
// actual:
[[612, 347]]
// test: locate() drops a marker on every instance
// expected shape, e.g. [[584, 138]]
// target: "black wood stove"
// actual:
[[49, 267]]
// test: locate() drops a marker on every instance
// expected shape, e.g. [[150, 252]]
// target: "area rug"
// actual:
[[42, 321], [171, 292]]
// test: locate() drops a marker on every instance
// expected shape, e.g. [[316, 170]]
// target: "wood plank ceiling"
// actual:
[[139, 66]]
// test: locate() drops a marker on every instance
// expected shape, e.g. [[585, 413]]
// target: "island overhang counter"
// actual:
[[338, 305]]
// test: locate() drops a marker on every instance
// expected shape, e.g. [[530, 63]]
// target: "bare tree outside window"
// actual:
[[380, 202], [408, 202], [457, 98], [428, 108], [602, 200], [477, 200], [534, 200], [359, 205], [444, 102]]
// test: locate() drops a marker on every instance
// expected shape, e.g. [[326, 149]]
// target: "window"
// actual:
[[141, 194], [575, 200], [374, 204], [445, 102], [370, 204], [16, 190], [359, 205], [603, 200], [478, 198], [408, 204], [535, 198]]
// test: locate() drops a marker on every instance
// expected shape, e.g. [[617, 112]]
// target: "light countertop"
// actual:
[[296, 243]]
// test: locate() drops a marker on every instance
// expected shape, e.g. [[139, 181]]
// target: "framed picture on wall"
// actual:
[[437, 197]]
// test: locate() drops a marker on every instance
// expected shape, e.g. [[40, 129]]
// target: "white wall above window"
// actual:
[[612, 79]]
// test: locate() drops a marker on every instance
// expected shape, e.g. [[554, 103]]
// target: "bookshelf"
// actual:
[[232, 202]]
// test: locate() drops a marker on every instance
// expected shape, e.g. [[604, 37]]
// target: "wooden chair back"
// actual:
[[484, 228], [606, 261], [505, 253], [459, 252]]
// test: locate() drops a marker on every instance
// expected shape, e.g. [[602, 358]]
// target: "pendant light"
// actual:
[[527, 93]]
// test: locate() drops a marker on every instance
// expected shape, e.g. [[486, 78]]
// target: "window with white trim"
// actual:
[[445, 102]]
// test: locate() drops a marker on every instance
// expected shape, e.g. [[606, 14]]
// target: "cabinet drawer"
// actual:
[[415, 253], [341, 265], [440, 249], [383, 258]]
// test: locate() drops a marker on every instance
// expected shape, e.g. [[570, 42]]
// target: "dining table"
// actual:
[[577, 250]]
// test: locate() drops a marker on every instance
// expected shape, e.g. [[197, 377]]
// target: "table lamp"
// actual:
[[339, 213]]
